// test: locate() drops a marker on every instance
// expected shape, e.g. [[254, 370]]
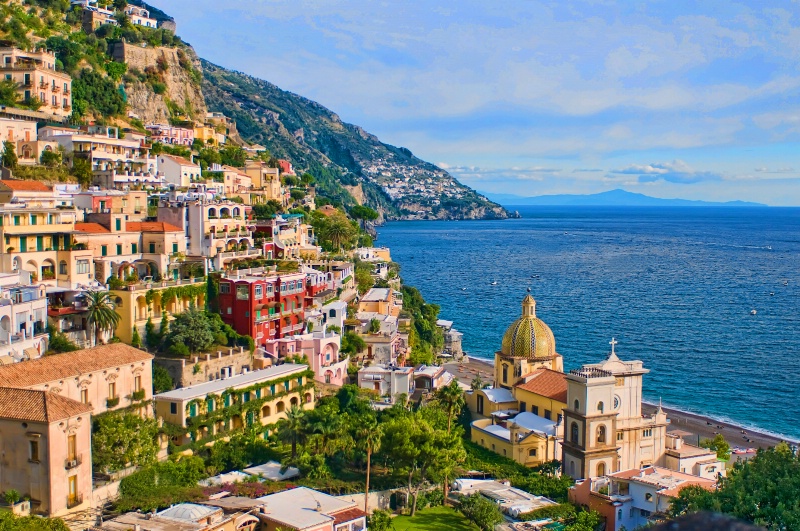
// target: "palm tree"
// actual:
[[102, 314], [338, 230], [292, 428], [370, 435], [451, 398]]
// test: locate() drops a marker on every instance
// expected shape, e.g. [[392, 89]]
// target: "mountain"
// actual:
[[610, 198], [345, 159]]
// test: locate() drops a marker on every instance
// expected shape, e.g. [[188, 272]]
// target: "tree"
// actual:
[[50, 158], [122, 440], [136, 341], [82, 171], [584, 521], [162, 381], [451, 398], [381, 520], [482, 512], [364, 280], [335, 231], [719, 445], [10, 522], [370, 436], [9, 155], [363, 214], [59, 343], [102, 315], [8, 93], [193, 329], [352, 344], [292, 428]]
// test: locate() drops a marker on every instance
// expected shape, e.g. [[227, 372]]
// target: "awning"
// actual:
[[55, 289]]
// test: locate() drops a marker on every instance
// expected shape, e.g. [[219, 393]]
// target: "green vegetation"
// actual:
[[483, 513], [162, 484], [763, 490], [434, 519], [9, 522], [426, 338], [59, 343], [101, 315], [120, 440], [162, 381], [719, 445]]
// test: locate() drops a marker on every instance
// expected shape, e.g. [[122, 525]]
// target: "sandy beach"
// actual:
[[698, 426]]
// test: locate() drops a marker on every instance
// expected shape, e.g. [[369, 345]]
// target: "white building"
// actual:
[[684, 457], [23, 318], [140, 16], [388, 381], [177, 170]]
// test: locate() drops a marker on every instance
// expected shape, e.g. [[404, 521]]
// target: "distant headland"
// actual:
[[610, 198]]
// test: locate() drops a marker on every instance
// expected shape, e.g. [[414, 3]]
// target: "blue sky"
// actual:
[[697, 100]]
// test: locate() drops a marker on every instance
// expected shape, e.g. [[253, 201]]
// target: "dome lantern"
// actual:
[[529, 337]]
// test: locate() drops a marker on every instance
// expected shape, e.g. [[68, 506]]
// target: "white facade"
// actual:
[[387, 381], [177, 170], [23, 318]]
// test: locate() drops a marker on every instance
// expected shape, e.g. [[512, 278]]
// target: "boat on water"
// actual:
[[753, 312], [494, 283]]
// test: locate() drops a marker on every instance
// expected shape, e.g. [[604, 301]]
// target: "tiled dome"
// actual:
[[528, 336]]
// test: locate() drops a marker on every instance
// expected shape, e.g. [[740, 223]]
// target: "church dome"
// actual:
[[529, 337]]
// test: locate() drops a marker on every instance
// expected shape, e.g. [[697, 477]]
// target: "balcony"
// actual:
[[112, 402], [138, 395], [74, 501], [241, 254], [74, 462], [139, 286], [43, 85], [56, 89]]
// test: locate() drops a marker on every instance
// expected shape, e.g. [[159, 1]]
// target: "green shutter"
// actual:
[[152, 248], [104, 250]]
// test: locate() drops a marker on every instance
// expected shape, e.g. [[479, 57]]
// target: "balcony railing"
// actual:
[[137, 395], [74, 501], [75, 462], [241, 254], [163, 284], [112, 402]]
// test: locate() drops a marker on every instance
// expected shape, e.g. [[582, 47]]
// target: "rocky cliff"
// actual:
[[178, 69]]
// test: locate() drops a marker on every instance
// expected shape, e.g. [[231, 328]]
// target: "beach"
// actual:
[[699, 426]]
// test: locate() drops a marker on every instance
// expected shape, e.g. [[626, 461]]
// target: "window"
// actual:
[[532, 452], [601, 436], [152, 248], [259, 290], [34, 450], [134, 248], [83, 266], [493, 448], [104, 250], [573, 430], [119, 248], [242, 293], [332, 313], [85, 396], [619, 514], [62, 267], [601, 469], [535, 410], [225, 288], [523, 407], [72, 448], [505, 373], [547, 414], [16, 221], [34, 218], [480, 404], [112, 390], [619, 435], [647, 433], [137, 383], [175, 247], [600, 407], [504, 451], [118, 224], [577, 405]]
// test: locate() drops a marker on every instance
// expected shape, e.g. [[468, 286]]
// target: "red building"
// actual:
[[264, 306], [286, 167]]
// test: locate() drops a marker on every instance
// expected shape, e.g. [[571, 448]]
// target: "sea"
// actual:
[[707, 297]]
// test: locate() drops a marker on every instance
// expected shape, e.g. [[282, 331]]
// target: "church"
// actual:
[[589, 418]]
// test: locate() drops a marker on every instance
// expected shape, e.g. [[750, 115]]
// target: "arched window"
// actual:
[[505, 373], [62, 267], [619, 515], [601, 434], [601, 469], [574, 432], [600, 407], [577, 405]]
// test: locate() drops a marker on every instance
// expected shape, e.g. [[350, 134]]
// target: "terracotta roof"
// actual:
[[26, 186], [91, 227], [546, 382], [348, 515], [60, 366], [179, 160], [38, 406], [151, 226]]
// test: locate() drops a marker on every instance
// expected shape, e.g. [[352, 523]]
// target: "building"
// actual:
[[684, 457], [178, 171], [333, 314], [304, 509], [384, 344], [270, 392], [387, 381], [23, 318], [171, 134], [235, 181], [452, 339], [92, 17], [290, 237], [605, 430], [37, 77], [140, 16], [264, 305], [107, 378], [12, 130], [632, 499], [320, 348], [183, 517], [46, 441], [115, 161], [528, 439], [208, 135], [431, 379], [385, 301], [511, 501], [286, 167], [266, 179]]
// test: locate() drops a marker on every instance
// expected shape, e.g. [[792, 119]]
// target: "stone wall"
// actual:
[[207, 367]]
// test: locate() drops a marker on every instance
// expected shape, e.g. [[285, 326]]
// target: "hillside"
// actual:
[[393, 180]]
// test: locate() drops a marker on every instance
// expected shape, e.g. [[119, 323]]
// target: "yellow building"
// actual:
[[265, 179], [150, 300], [520, 416]]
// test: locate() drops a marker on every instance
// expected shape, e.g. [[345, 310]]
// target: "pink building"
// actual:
[[169, 134], [286, 167], [321, 349]]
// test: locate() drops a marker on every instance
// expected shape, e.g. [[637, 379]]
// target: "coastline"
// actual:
[[699, 426]]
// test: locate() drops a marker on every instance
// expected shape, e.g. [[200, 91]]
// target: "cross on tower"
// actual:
[[613, 344]]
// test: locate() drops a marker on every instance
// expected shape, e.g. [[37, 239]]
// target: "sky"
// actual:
[[697, 100]]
